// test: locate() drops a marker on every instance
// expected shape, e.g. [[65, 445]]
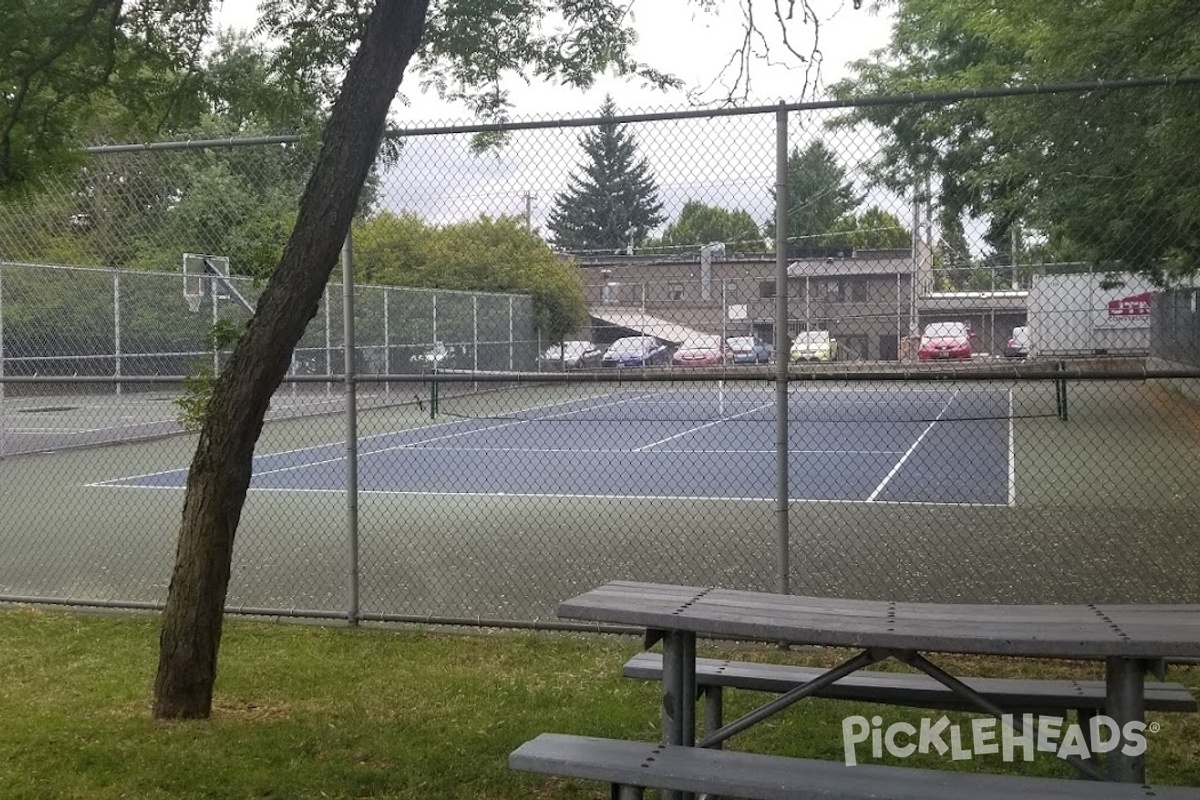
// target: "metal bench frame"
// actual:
[[1034, 696]]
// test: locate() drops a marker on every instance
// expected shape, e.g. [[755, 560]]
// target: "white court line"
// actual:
[[80, 431], [690, 431], [614, 451], [874, 394], [910, 450], [1012, 453]]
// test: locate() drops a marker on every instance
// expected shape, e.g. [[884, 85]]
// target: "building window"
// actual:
[[842, 290], [853, 348], [835, 291], [610, 294], [766, 289], [675, 291]]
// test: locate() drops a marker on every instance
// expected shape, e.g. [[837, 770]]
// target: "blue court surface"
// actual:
[[892, 445]]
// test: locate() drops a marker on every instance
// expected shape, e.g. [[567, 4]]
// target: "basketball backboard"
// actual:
[[198, 273]]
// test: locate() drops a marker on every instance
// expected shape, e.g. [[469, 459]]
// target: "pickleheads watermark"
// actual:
[[992, 736]]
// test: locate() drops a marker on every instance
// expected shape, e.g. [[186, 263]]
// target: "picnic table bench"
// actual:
[[631, 767]]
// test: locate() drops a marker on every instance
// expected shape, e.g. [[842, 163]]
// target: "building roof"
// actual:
[[643, 323], [1001, 300], [803, 261], [866, 263]]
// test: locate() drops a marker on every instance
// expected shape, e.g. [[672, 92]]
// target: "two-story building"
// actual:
[[872, 301]]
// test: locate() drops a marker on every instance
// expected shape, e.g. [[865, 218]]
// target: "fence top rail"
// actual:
[[245, 278], [692, 375], [909, 98]]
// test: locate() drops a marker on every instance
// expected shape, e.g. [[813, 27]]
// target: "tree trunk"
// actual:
[[221, 468]]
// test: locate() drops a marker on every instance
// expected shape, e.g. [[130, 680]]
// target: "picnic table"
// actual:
[[1130, 639]]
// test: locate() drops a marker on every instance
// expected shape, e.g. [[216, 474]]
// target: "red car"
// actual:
[[703, 351], [945, 340]]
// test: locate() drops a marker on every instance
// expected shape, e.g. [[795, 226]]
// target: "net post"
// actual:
[[1060, 391], [433, 395]]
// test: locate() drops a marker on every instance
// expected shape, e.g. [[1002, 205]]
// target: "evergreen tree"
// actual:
[[614, 203], [818, 194]]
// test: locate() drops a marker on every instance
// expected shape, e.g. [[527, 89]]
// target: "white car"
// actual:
[[436, 356], [572, 355], [1018, 344]]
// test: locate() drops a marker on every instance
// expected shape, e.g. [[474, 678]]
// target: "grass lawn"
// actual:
[[321, 712]]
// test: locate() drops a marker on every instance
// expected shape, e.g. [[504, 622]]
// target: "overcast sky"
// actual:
[[723, 162]]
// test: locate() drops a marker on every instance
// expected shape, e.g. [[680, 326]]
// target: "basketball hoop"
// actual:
[[202, 275]]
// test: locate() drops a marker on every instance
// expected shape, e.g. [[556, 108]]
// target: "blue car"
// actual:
[[751, 350], [636, 351]]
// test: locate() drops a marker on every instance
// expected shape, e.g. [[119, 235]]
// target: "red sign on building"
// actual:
[[1137, 305]]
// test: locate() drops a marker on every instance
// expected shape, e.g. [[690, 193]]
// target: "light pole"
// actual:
[[724, 312], [807, 304]]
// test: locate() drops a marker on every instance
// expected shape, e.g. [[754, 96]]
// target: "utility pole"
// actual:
[[528, 210], [1014, 247]]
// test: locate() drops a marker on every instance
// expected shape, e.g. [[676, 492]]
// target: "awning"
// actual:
[[644, 324]]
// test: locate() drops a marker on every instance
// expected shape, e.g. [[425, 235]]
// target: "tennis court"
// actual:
[[950, 445]]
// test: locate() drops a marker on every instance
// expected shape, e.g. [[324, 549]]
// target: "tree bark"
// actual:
[[221, 468]]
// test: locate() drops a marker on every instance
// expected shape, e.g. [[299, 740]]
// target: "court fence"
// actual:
[[737, 379], [79, 322]]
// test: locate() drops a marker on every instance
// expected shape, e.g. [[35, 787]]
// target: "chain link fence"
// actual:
[[614, 356]]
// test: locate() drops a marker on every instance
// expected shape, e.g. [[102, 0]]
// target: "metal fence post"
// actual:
[[116, 284], [328, 344], [211, 286], [782, 352], [433, 387], [1, 333], [387, 342], [351, 387]]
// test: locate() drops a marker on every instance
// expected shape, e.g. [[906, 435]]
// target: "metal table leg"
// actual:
[[679, 688], [1125, 680], [679, 693]]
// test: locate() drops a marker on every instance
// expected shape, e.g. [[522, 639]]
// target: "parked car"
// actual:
[[636, 351], [751, 350], [703, 351], [814, 346], [572, 355], [943, 340], [1018, 344]]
